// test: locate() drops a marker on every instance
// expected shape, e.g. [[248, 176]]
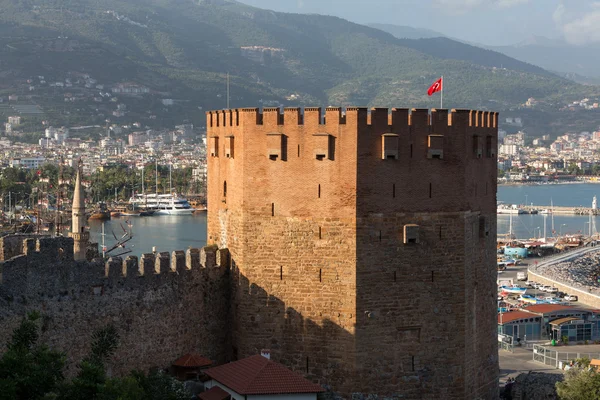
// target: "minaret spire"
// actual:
[[80, 236]]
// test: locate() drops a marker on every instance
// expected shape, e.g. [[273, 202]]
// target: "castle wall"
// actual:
[[314, 218], [163, 306]]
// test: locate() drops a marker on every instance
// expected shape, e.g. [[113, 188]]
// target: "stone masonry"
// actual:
[[362, 245], [163, 306]]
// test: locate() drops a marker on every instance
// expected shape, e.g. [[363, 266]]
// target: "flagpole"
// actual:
[[442, 96]]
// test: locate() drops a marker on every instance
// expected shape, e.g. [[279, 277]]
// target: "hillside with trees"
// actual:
[[185, 49]]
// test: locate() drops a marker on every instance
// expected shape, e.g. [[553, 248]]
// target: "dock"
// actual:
[[561, 210]]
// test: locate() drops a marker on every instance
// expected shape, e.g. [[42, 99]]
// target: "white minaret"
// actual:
[[595, 203], [80, 236]]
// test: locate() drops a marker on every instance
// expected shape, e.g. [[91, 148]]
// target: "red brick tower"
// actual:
[[362, 244]]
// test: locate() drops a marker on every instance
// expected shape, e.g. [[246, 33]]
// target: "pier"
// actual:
[[561, 210]]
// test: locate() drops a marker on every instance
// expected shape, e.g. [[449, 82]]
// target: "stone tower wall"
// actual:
[[314, 214], [163, 306]]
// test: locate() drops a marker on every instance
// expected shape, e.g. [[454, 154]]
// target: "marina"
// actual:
[[556, 214], [161, 233]]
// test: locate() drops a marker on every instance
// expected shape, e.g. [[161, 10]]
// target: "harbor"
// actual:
[[148, 234]]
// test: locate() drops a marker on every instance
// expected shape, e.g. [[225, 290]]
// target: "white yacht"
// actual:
[[162, 204]]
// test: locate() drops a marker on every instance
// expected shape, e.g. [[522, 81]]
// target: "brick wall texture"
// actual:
[[314, 219], [162, 310]]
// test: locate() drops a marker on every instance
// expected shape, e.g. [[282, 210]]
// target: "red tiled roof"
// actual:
[[513, 316], [546, 308], [259, 375], [214, 393], [192, 360]]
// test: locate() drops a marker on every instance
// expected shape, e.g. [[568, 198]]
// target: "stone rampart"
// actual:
[[163, 307]]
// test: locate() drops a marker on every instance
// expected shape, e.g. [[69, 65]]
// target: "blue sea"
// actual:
[[527, 226]]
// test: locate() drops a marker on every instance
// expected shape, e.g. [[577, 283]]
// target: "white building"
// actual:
[[509, 149], [28, 163], [49, 132], [14, 120]]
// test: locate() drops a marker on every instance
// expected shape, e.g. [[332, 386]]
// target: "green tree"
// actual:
[[579, 384], [29, 371], [160, 386], [92, 374]]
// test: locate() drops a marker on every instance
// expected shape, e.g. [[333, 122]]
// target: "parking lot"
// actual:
[[511, 273]]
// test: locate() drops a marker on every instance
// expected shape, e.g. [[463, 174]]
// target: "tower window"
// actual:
[[319, 192], [275, 146], [476, 147], [389, 146], [322, 146], [229, 146], [411, 233], [435, 146], [214, 146], [224, 188]]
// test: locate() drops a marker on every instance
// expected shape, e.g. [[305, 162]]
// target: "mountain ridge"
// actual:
[[185, 50]]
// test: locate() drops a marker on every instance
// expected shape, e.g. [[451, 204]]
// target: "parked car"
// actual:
[[560, 295], [552, 290], [544, 288], [530, 283], [571, 297]]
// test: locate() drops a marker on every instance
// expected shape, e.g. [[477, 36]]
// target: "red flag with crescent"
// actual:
[[436, 87]]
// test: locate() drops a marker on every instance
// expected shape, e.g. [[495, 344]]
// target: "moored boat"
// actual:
[[100, 212], [513, 289], [162, 204]]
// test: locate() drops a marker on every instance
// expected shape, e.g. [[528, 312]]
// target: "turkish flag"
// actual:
[[436, 87]]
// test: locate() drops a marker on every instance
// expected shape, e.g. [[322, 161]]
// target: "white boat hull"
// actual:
[[175, 212]]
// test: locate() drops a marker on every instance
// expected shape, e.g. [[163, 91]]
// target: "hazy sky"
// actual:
[[492, 22]]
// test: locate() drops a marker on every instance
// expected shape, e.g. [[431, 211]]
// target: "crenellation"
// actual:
[[131, 268], [293, 116], [378, 119], [419, 119], [113, 268], [272, 118], [312, 116], [208, 256], [29, 246], [12, 245], [399, 118], [163, 262], [192, 259], [334, 117], [356, 116], [222, 258], [148, 264], [178, 261], [209, 119]]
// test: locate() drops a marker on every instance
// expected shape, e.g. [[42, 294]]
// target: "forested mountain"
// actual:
[[183, 49], [407, 32], [557, 55]]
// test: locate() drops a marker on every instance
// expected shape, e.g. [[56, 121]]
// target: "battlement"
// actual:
[[43, 252], [396, 118]]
